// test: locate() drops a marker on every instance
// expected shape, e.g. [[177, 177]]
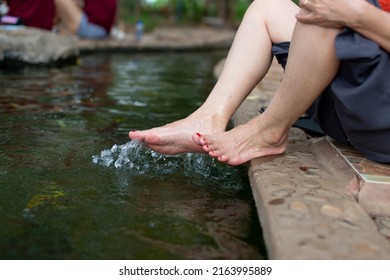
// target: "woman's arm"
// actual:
[[359, 15]]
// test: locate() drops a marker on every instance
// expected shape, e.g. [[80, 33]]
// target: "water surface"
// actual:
[[73, 186]]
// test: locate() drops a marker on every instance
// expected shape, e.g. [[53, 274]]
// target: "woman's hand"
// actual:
[[330, 13]]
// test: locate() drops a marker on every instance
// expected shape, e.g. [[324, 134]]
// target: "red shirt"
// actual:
[[385, 4], [101, 12], [35, 13]]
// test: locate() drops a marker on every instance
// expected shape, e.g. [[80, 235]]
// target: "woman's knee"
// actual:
[[265, 10], [278, 6], [277, 15]]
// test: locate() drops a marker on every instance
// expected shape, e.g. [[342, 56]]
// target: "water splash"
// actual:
[[137, 159]]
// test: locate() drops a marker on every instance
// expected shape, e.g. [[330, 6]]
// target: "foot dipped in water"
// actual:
[[241, 144], [177, 137]]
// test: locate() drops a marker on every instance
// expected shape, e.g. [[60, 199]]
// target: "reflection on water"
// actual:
[[73, 186]]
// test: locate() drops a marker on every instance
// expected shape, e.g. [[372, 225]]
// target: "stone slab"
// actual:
[[20, 45], [306, 209], [368, 171], [165, 39], [373, 193], [305, 198], [25, 45]]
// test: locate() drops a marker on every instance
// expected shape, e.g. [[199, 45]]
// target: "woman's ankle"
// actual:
[[275, 135]]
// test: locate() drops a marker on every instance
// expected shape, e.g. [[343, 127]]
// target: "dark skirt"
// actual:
[[355, 107]]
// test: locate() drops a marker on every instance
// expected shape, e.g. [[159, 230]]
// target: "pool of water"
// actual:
[[73, 186]]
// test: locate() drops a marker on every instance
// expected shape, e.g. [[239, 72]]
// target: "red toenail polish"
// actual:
[[132, 131], [207, 146], [198, 134]]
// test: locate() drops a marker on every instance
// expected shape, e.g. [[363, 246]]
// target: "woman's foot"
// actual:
[[177, 137], [242, 143]]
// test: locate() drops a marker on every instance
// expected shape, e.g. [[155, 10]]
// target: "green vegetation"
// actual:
[[180, 12]]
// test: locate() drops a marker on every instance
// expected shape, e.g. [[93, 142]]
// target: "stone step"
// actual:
[[306, 199], [306, 209], [373, 192]]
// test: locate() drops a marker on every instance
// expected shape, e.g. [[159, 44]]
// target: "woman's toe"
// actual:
[[196, 137]]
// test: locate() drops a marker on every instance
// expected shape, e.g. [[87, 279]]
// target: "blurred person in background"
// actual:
[[37, 13], [91, 19]]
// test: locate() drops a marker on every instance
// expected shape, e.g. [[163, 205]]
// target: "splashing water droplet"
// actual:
[[137, 159]]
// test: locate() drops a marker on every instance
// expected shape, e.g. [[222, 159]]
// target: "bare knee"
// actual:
[[277, 15], [266, 6], [258, 11]]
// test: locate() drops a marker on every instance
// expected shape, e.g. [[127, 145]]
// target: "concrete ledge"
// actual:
[[165, 39], [373, 193], [306, 210], [21, 46], [307, 198]]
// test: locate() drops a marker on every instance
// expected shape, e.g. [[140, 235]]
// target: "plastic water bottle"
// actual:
[[139, 30]]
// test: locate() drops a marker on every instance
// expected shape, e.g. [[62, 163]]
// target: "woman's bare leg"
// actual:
[[311, 66], [248, 61], [69, 12]]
